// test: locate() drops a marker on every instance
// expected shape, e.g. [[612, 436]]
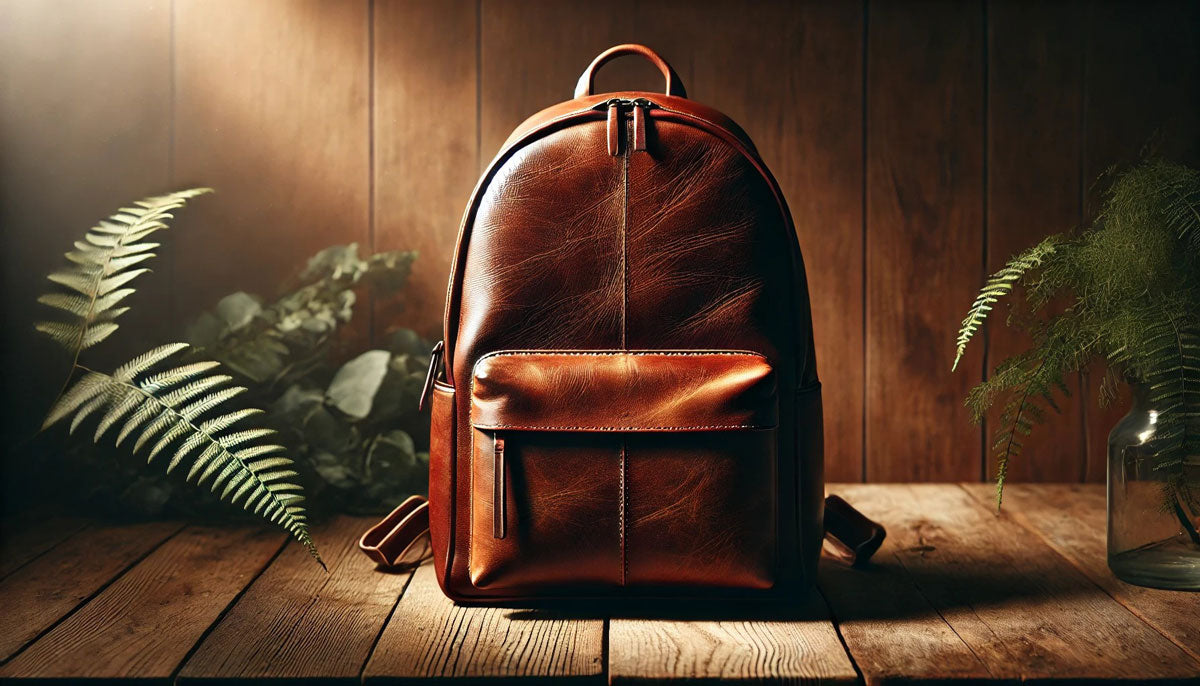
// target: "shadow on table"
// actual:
[[811, 608], [890, 590], [887, 591]]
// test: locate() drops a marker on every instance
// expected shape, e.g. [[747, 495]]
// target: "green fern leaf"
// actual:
[[999, 285], [177, 419], [101, 264]]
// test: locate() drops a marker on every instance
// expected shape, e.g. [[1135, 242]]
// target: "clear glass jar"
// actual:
[[1152, 534]]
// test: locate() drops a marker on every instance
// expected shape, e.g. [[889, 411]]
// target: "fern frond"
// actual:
[[103, 262], [1171, 371], [183, 410], [999, 285]]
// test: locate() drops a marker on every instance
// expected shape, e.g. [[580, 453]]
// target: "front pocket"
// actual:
[[623, 468]]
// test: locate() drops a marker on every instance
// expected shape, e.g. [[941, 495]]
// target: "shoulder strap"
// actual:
[[401, 539]]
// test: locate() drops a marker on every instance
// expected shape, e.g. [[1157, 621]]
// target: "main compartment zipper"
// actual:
[[637, 108]]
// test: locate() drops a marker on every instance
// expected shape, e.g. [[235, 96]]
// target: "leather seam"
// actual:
[[623, 516], [615, 353], [625, 242], [552, 427]]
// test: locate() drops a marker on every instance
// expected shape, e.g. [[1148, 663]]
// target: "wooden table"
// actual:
[[958, 592]]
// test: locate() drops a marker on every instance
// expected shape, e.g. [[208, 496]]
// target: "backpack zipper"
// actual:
[[499, 497], [637, 108]]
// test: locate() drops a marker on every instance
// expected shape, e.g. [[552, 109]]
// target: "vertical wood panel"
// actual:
[[271, 109], [791, 76], [426, 143], [1035, 71], [272, 106], [531, 54], [1142, 97], [84, 129], [924, 237]]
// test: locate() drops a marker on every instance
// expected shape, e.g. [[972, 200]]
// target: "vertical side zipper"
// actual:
[[499, 497]]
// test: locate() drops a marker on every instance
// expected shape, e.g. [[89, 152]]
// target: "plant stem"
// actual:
[[1183, 517]]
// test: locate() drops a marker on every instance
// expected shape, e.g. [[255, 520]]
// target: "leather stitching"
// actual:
[[551, 427], [624, 498]]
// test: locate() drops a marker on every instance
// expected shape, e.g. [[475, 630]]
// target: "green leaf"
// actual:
[[173, 419], [354, 386], [101, 264]]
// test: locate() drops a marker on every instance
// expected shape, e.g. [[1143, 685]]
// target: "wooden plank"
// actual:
[[143, 625], [84, 129], [271, 109], [1142, 93], [1072, 519], [42, 592], [430, 637], [887, 624], [791, 75], [801, 647], [1022, 609], [924, 246], [426, 144], [297, 621], [26, 536], [1034, 151]]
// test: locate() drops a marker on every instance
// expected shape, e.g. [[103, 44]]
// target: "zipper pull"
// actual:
[[614, 127], [639, 124], [499, 504], [435, 360]]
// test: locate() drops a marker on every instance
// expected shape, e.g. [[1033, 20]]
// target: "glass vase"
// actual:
[[1152, 531]]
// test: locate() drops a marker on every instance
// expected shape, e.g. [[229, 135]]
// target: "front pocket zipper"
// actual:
[[499, 497]]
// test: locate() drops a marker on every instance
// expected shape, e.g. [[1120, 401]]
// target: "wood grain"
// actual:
[[1142, 93], [143, 625], [1023, 610], [297, 621], [430, 637], [426, 144], [801, 649], [924, 236], [791, 75], [272, 110], [875, 606], [1072, 520], [25, 536], [42, 592], [1034, 149]]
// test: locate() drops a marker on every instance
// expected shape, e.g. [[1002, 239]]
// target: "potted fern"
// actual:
[[1126, 291]]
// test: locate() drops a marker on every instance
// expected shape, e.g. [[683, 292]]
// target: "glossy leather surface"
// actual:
[[442, 457], [686, 245], [617, 391]]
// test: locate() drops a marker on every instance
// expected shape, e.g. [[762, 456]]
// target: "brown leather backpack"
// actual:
[[629, 403]]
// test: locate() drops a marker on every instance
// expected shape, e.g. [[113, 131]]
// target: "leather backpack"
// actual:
[[626, 401]]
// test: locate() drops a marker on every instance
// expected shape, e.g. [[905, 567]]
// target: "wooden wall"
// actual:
[[918, 144]]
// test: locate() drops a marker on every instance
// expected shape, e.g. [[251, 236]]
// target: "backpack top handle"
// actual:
[[587, 80]]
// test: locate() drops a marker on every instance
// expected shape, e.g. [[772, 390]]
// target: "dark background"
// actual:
[[919, 144]]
